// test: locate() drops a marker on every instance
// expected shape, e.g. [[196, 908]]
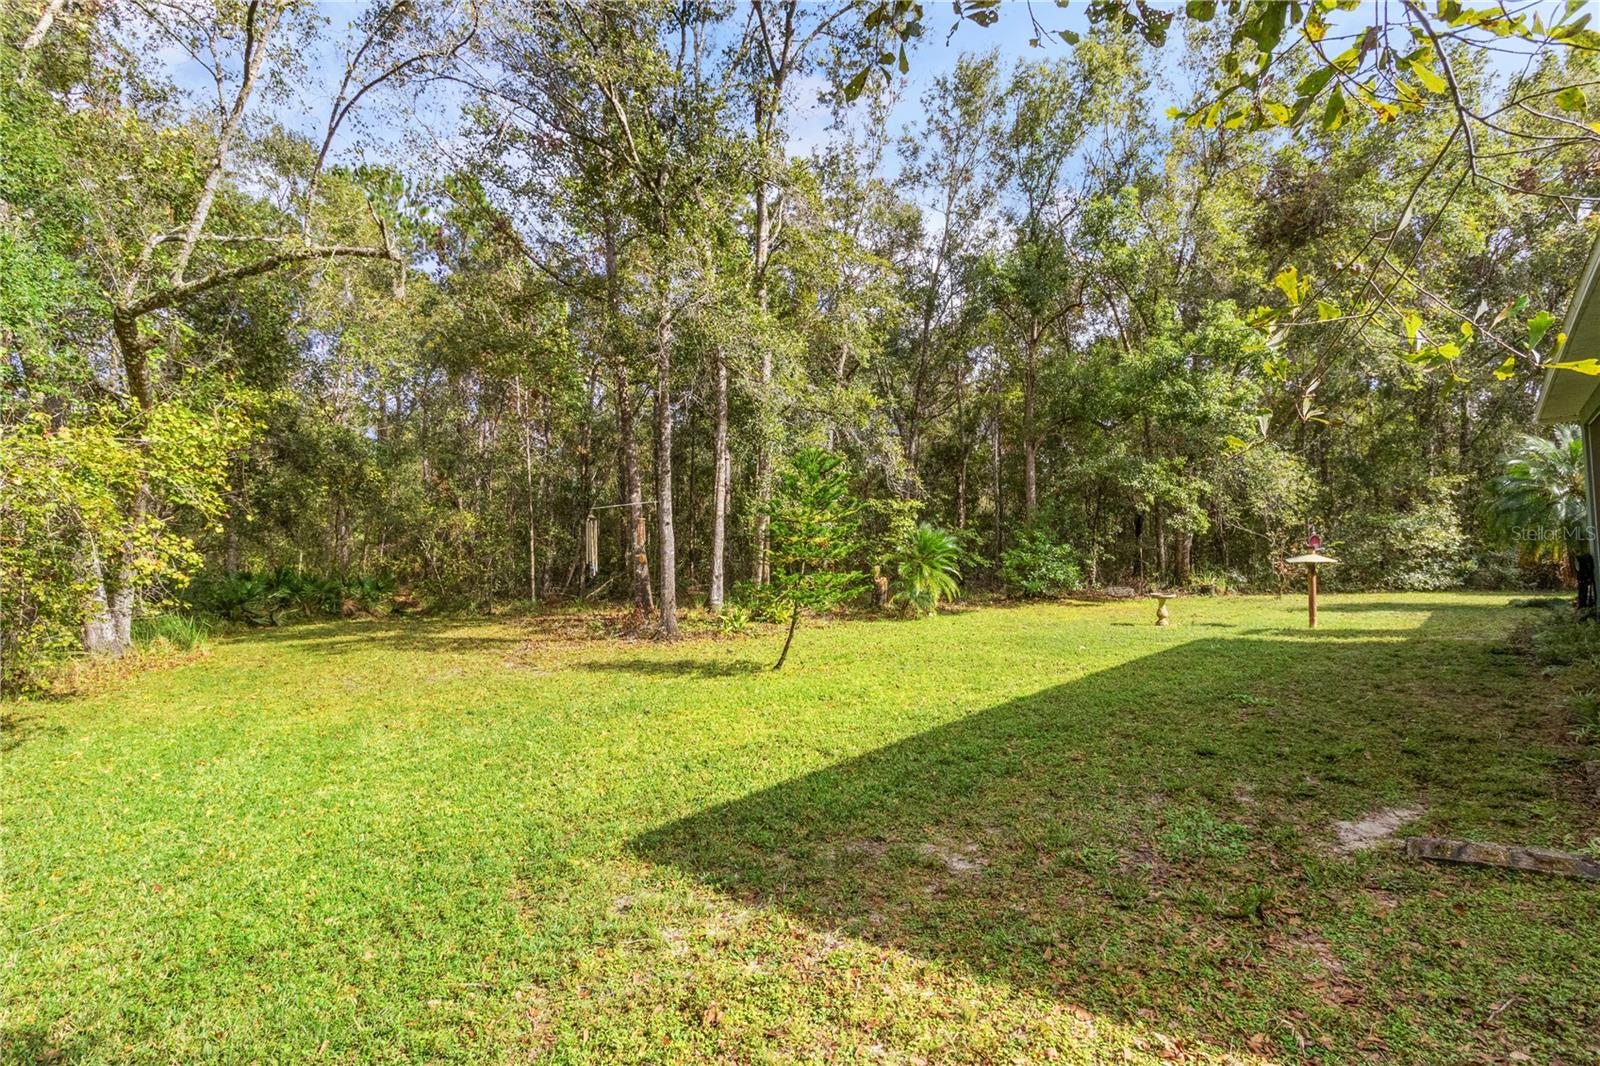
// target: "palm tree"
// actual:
[[928, 566], [1540, 500]]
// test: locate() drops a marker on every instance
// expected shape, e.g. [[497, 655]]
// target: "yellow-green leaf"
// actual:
[[1333, 115], [1430, 79], [1413, 325], [1571, 99], [1288, 283], [1538, 326], [1580, 366]]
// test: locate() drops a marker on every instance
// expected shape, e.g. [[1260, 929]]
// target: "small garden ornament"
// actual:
[[1161, 598], [1310, 561]]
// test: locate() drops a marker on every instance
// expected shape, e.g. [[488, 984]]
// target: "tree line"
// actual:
[[547, 300]]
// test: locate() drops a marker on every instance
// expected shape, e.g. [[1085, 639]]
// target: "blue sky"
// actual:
[[937, 55], [808, 119], [944, 41]]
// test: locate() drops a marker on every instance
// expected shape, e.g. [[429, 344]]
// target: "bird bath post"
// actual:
[[1161, 599], [1310, 562]]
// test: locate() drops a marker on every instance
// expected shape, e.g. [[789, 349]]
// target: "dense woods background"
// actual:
[[534, 262]]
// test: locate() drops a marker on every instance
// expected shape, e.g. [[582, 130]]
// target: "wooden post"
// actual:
[[1311, 578], [1310, 561]]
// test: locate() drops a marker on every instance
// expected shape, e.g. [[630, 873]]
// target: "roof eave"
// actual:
[[1580, 299]]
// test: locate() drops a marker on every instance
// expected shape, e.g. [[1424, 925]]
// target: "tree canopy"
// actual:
[[534, 262]]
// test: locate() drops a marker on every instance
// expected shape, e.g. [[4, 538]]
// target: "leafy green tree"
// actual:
[[815, 532], [163, 224]]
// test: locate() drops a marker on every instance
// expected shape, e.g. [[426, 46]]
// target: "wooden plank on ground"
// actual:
[[1534, 860]]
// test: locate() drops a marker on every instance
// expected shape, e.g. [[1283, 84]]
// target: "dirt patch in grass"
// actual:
[[1376, 830], [963, 860], [1145, 859]]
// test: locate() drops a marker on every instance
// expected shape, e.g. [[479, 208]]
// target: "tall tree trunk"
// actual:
[[638, 560], [763, 566], [691, 540], [723, 464], [230, 549], [997, 450], [667, 539], [586, 470], [1030, 480], [108, 626], [41, 27], [259, 27], [1030, 440], [101, 634], [962, 448], [1094, 535], [339, 534], [761, 240], [1138, 541], [1161, 542], [543, 494], [533, 511]]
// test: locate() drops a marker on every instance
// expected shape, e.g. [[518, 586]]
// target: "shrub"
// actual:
[[371, 594], [1420, 550], [241, 597], [263, 599], [1537, 505], [1497, 570], [759, 602], [1560, 639], [1585, 707], [1038, 565], [1216, 581], [734, 619], [928, 569], [181, 631]]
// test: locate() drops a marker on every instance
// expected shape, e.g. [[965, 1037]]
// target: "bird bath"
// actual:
[[1161, 599]]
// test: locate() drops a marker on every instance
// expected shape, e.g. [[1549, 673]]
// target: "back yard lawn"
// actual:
[[1050, 833]]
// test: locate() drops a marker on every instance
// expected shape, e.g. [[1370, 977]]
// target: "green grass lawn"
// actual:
[[1049, 833]]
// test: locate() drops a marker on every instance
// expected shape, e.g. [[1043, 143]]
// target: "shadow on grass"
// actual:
[[696, 668], [1176, 624], [1151, 841], [1337, 604], [426, 636], [34, 1044], [17, 729]]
